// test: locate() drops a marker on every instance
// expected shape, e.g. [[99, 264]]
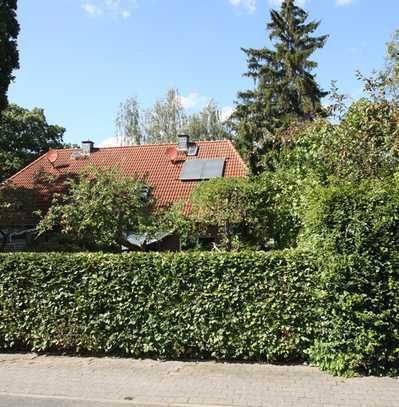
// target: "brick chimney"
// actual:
[[184, 141], [87, 147]]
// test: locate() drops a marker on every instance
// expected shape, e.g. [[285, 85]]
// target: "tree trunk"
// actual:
[[227, 233]]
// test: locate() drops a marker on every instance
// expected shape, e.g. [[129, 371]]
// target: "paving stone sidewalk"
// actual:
[[73, 381]]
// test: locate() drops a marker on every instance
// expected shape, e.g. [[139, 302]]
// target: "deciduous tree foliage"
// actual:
[[365, 144], [285, 88], [166, 119], [224, 203], [100, 209], [388, 78], [24, 135], [9, 57], [258, 213], [207, 124], [129, 123]]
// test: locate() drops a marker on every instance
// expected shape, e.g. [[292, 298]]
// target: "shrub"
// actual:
[[364, 144], [247, 306], [272, 221], [257, 213], [359, 316], [350, 218], [340, 313], [354, 231]]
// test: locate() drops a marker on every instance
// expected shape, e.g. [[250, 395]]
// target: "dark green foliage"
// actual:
[[354, 231], [273, 222], [340, 312], [248, 305], [354, 218], [257, 213], [285, 89], [363, 145], [9, 57], [24, 136], [359, 315]]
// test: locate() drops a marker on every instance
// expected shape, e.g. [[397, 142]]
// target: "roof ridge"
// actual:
[[161, 144]]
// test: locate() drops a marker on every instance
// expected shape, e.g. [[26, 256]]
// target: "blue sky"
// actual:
[[81, 58]]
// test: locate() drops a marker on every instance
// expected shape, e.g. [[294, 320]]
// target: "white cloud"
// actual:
[[248, 5], [110, 142], [344, 2], [226, 112], [92, 9], [126, 13], [193, 100], [121, 8]]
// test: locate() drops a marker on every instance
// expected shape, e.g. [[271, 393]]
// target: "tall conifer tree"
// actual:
[[285, 89], [9, 59]]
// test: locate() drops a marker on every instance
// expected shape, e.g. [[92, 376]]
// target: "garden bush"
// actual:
[[246, 306], [340, 313], [358, 314], [353, 230]]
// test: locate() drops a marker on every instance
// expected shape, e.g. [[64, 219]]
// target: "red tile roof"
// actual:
[[147, 159]]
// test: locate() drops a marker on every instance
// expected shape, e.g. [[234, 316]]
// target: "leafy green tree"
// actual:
[[100, 209], [129, 123], [385, 83], [260, 213], [365, 144], [9, 57], [285, 88], [24, 135], [207, 124], [166, 119], [222, 203]]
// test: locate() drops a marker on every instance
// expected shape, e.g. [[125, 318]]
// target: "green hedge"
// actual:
[[248, 306], [353, 230], [340, 313], [358, 315]]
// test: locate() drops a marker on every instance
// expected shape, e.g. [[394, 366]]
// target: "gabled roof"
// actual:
[[148, 159]]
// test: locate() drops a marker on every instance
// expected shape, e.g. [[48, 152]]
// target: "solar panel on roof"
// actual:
[[192, 170], [202, 169], [213, 169]]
